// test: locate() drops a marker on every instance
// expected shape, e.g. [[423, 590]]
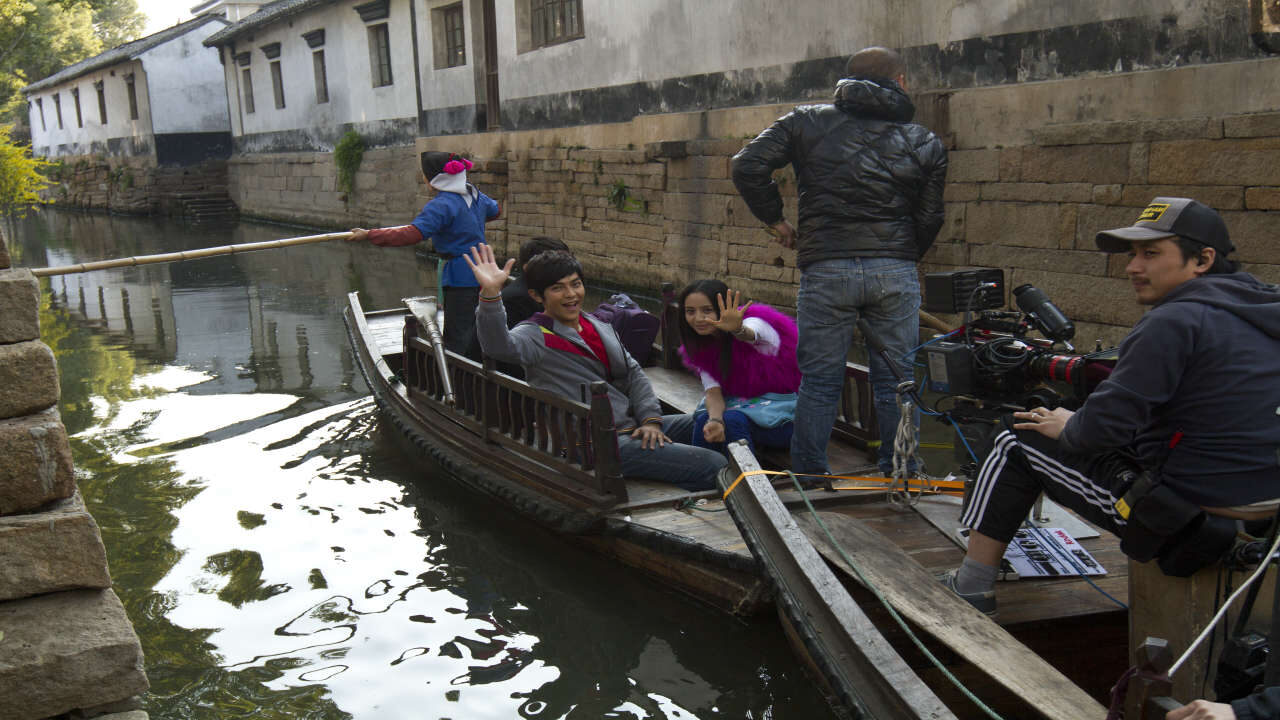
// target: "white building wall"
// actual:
[[455, 86], [184, 80], [94, 136], [352, 97]]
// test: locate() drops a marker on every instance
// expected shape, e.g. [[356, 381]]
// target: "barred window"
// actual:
[[133, 97], [75, 95], [248, 90], [102, 101], [322, 77], [277, 84], [454, 39], [57, 108]]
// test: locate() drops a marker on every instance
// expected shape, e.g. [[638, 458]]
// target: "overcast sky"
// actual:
[[164, 13]]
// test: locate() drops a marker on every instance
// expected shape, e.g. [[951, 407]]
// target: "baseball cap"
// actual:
[[1168, 216]]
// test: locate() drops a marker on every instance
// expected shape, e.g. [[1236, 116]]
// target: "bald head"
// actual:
[[877, 62]]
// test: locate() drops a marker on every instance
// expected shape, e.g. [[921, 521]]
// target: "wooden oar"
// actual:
[[187, 254]]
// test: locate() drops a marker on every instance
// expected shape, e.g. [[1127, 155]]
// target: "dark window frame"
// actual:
[[455, 38], [246, 78], [321, 76], [133, 96], [75, 95], [57, 108], [277, 84], [40, 106], [100, 87], [552, 22], [380, 55]]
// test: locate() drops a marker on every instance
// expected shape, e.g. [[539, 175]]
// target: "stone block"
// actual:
[[1098, 164], [1042, 225], [37, 462], [1262, 198], [1092, 218], [1107, 194], [57, 549], [28, 378], [1255, 125], [19, 306], [973, 166], [960, 192], [1072, 261], [1011, 164], [1256, 235], [699, 166], [1038, 192], [696, 207], [1124, 131], [1218, 197], [66, 651], [1216, 162]]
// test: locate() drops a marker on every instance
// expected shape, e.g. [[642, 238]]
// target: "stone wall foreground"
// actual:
[[65, 641]]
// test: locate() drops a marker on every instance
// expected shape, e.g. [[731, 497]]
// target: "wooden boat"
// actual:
[[1059, 645]]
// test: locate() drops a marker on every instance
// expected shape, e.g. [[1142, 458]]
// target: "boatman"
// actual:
[[1183, 436], [870, 184], [563, 351]]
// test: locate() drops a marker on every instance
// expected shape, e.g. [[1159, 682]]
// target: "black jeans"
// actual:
[[460, 321]]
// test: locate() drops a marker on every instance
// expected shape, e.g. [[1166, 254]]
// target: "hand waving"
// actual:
[[485, 268], [730, 314]]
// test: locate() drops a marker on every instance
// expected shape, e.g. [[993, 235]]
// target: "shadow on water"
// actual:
[[280, 558]]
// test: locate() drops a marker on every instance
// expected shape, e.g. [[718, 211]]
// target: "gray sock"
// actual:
[[974, 577]]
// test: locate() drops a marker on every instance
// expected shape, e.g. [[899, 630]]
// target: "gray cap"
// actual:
[[1166, 217]]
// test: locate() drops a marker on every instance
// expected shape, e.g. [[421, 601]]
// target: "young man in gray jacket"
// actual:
[[563, 351]]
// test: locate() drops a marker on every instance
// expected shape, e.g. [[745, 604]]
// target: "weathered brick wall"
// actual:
[[128, 185], [68, 643], [1034, 209]]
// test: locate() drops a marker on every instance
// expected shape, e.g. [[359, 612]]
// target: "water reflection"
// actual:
[[280, 558]]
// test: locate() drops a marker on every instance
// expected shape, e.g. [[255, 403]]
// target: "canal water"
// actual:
[[280, 557]]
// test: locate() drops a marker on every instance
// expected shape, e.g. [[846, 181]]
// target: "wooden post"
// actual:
[[1153, 658], [604, 440], [408, 367], [669, 330]]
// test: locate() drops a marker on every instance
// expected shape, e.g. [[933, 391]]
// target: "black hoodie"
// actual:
[[1205, 362], [870, 180]]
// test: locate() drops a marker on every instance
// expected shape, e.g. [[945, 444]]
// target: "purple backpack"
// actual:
[[636, 329]]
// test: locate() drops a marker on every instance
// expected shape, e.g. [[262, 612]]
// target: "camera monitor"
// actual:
[[959, 290]]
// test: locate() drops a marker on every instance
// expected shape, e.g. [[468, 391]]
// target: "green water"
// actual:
[[280, 558]]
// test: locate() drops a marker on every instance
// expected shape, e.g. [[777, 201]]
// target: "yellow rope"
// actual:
[[930, 486]]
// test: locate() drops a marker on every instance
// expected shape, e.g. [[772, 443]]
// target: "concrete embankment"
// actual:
[[66, 644]]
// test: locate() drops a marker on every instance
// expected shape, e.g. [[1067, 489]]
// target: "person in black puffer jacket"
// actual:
[[870, 184]]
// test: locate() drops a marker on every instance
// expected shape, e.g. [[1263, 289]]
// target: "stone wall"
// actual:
[[65, 641], [132, 185]]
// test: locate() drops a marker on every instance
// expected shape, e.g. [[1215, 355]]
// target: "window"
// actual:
[[277, 84], [380, 54], [102, 102], [248, 90], [554, 21], [75, 95], [455, 44], [133, 96], [322, 78], [40, 107], [57, 108]]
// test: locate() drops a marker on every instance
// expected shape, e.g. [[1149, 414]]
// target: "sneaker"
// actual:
[[983, 602]]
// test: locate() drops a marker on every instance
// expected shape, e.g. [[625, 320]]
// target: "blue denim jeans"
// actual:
[[833, 295], [737, 426], [679, 463]]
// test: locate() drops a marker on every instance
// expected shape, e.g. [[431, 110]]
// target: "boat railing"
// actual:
[[856, 421], [575, 440]]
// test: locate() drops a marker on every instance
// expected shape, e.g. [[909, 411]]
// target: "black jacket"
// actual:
[[870, 180], [1204, 362]]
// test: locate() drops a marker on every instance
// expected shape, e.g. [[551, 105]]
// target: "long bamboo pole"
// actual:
[[187, 254]]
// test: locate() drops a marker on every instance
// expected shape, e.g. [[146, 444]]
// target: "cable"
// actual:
[[1262, 567]]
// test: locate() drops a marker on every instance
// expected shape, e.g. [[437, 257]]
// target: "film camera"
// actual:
[[993, 359]]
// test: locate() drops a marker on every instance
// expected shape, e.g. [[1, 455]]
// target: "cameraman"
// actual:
[[1193, 399]]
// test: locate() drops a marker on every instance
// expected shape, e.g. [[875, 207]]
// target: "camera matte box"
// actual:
[[950, 292]]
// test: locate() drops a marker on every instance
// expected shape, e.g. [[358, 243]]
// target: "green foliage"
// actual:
[[40, 37], [620, 198], [20, 178], [346, 157]]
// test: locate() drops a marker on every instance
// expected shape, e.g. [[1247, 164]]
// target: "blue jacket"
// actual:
[[454, 228], [1204, 362]]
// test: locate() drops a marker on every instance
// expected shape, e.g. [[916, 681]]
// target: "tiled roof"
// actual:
[[266, 15], [121, 53]]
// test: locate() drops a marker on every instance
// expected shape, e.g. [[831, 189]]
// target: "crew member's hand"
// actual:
[[358, 235], [651, 436], [491, 277], [1048, 423], [730, 314], [1202, 710], [713, 430], [784, 234]]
